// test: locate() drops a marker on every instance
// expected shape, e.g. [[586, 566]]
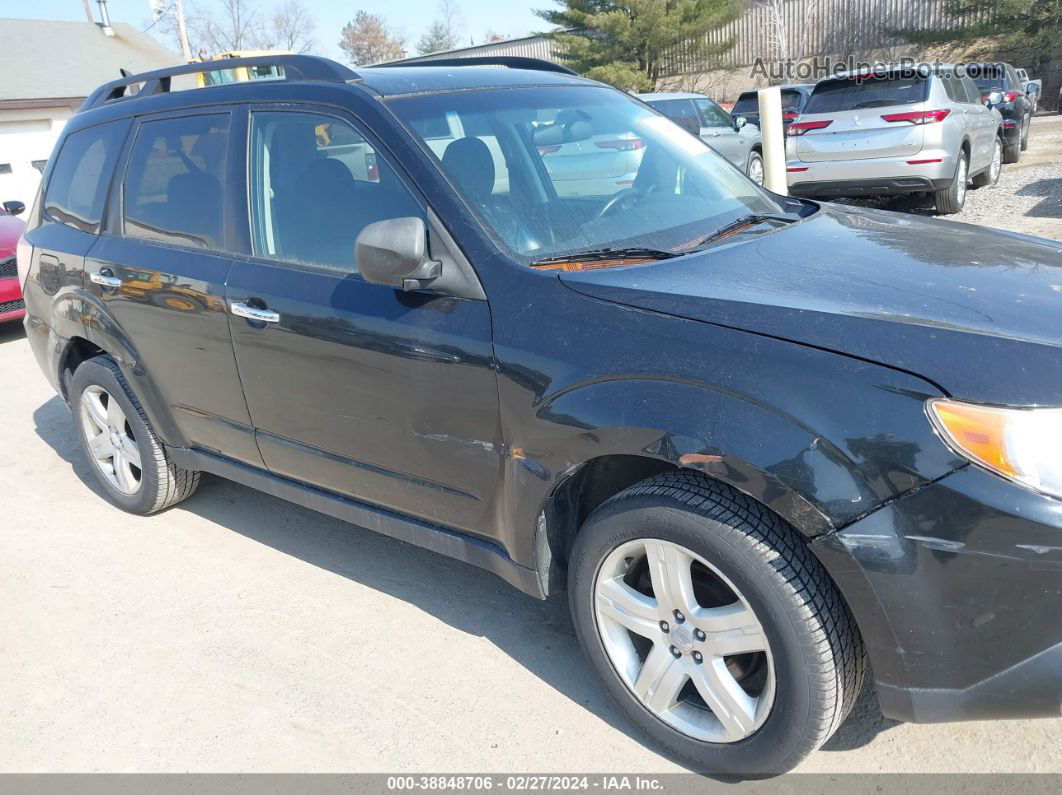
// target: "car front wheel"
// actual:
[[714, 627], [754, 170]]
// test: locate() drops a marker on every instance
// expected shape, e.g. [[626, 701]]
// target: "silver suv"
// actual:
[[897, 130]]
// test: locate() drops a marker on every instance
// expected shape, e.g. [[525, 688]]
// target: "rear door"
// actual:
[[862, 118], [160, 268], [374, 393]]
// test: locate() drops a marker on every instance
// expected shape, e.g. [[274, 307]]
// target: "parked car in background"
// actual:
[[898, 131], [794, 97], [1033, 88], [728, 134], [12, 306], [1001, 88]]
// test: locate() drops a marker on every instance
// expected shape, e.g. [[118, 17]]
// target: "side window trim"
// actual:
[[244, 210], [113, 221]]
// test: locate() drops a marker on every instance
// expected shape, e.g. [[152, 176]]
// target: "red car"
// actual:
[[12, 307]]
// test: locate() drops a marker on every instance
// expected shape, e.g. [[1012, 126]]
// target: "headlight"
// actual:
[[1024, 445]]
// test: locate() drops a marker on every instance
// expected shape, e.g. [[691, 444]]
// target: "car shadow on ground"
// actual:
[[536, 634], [1050, 205]]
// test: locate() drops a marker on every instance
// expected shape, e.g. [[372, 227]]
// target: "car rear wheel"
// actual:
[[714, 627], [124, 452], [1025, 132], [1012, 152], [754, 170], [951, 199], [990, 176]]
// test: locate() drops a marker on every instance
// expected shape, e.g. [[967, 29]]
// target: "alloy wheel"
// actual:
[[684, 640], [756, 170], [111, 442], [997, 162]]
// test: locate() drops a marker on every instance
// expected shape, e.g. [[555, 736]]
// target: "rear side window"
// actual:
[[953, 86], [832, 96], [173, 184], [78, 185], [973, 93], [677, 109]]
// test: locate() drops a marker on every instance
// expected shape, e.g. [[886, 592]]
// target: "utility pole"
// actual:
[[182, 31]]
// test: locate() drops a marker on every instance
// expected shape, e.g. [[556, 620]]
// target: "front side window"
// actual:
[[587, 168], [82, 174], [172, 191], [712, 115], [316, 182]]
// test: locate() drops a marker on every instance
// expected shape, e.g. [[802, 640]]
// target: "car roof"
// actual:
[[390, 81]]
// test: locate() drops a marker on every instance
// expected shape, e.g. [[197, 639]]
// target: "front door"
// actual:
[[374, 393], [160, 268], [719, 132]]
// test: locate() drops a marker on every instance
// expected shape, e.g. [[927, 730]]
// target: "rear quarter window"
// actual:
[[749, 103], [77, 187], [832, 96]]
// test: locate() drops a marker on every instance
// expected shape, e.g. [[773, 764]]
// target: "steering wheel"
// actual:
[[624, 199]]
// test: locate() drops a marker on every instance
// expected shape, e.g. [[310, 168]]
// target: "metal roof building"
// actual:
[[528, 47]]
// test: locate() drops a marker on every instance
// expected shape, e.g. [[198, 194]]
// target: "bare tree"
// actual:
[[367, 39], [228, 25], [443, 32], [292, 27]]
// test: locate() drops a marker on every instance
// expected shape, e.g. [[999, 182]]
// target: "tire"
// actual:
[[95, 384], [1012, 152], [951, 199], [754, 168], [1025, 133], [989, 178], [812, 666]]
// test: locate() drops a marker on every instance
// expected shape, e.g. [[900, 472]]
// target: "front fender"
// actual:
[[819, 469]]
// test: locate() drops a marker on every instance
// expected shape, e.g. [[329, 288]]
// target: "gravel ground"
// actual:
[[1027, 199]]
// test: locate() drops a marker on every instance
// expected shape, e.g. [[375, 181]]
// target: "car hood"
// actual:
[[975, 311]]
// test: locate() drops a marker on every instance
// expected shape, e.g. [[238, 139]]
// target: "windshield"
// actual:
[[558, 171]]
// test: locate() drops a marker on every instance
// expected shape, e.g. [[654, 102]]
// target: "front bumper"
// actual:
[[957, 590], [879, 176], [12, 307]]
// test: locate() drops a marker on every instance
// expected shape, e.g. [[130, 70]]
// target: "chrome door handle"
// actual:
[[254, 313], [102, 279]]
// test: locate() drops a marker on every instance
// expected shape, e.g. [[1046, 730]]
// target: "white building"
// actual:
[[46, 69]]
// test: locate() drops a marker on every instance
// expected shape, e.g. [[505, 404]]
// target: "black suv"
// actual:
[[760, 440], [1001, 88]]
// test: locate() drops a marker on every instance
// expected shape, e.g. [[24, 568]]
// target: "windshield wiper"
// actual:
[[605, 254], [735, 226]]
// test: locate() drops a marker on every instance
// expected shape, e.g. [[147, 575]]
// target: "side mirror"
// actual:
[[14, 207], [394, 253], [740, 122]]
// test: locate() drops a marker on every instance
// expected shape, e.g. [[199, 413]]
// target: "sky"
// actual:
[[408, 17]]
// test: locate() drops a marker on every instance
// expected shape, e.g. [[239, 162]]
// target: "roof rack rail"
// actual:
[[296, 67], [511, 61]]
